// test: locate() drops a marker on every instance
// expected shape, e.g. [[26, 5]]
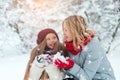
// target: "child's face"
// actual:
[[67, 34], [51, 40]]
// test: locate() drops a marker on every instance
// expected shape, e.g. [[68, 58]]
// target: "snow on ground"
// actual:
[[114, 58], [13, 67]]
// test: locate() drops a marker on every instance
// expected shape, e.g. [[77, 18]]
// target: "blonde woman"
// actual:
[[90, 61], [40, 66]]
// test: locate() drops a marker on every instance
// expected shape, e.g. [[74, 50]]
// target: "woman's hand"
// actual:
[[66, 65]]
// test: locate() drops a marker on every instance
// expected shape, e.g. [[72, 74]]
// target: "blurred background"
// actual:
[[21, 20]]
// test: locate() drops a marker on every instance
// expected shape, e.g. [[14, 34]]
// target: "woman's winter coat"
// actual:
[[91, 63]]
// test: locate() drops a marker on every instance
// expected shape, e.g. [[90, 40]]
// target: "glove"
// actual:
[[66, 65]]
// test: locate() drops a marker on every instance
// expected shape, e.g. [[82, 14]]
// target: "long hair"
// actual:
[[77, 26], [59, 47], [39, 49]]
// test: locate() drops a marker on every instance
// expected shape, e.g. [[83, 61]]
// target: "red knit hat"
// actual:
[[42, 34]]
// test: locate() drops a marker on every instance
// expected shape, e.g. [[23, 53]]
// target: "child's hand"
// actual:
[[66, 65], [44, 59]]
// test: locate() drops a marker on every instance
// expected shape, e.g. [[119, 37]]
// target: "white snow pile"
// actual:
[[59, 56]]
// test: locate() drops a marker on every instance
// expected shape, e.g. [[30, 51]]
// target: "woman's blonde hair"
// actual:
[[77, 26]]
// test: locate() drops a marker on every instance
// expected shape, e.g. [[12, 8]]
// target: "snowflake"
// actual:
[[99, 77], [82, 77], [78, 74], [103, 68], [85, 49], [89, 62]]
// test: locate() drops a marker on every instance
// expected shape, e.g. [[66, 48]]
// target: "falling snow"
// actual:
[[82, 77], [103, 68], [85, 48], [89, 62], [21, 21]]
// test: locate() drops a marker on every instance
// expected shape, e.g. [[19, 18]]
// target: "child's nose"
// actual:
[[52, 40]]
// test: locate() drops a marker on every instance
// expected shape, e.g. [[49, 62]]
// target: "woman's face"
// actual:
[[51, 40], [67, 34]]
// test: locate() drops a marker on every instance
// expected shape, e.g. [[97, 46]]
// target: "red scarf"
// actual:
[[70, 47]]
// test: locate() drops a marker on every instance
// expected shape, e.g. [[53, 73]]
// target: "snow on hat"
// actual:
[[42, 34]]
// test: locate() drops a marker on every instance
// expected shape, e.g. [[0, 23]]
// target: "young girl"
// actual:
[[40, 65], [90, 61]]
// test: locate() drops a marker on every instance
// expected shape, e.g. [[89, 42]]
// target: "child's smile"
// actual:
[[51, 40]]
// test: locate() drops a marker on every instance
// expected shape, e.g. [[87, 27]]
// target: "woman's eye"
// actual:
[[65, 29]]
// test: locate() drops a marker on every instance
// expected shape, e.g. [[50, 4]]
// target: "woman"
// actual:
[[90, 61]]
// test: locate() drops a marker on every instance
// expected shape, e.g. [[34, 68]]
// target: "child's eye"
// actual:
[[54, 37], [48, 39]]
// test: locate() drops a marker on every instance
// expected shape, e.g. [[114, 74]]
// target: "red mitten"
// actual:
[[69, 63], [66, 65], [59, 63]]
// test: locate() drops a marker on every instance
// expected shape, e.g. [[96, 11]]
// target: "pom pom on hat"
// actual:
[[42, 34]]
